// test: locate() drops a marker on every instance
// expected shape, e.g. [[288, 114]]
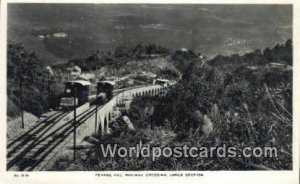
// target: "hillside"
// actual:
[[42, 88], [235, 103]]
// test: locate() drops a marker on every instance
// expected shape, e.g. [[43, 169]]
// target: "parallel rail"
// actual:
[[27, 151], [32, 147]]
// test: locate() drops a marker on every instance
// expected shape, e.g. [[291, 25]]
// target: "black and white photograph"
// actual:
[[149, 87]]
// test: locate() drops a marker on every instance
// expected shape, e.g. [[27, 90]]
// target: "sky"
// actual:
[[59, 32]]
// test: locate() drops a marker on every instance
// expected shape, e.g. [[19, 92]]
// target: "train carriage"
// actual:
[[80, 89], [162, 82], [104, 91]]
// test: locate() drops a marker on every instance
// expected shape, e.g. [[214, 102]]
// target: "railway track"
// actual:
[[34, 128], [29, 150], [32, 147]]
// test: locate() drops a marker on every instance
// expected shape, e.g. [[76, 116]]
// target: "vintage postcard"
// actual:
[[130, 92]]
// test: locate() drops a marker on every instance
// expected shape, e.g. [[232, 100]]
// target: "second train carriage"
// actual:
[[104, 91]]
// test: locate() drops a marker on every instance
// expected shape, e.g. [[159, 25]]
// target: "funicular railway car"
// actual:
[[162, 82], [104, 91], [78, 89]]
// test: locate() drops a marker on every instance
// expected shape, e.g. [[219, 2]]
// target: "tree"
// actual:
[[21, 67], [31, 79], [268, 55]]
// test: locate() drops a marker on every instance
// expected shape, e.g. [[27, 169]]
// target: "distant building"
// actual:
[[74, 72], [60, 35], [153, 55], [280, 65], [184, 49], [277, 65], [87, 76], [130, 82], [49, 69], [252, 67], [203, 59], [43, 36], [149, 74]]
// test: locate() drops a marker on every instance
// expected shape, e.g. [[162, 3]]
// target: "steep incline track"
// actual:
[[29, 149]]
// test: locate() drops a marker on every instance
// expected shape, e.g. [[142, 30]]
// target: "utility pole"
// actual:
[[21, 102], [117, 99], [96, 109], [74, 124]]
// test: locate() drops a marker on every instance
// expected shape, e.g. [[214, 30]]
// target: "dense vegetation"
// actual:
[[234, 100], [25, 75], [118, 58], [281, 53], [41, 88], [231, 104]]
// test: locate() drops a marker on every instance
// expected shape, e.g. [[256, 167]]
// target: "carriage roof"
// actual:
[[107, 82], [81, 82], [163, 80]]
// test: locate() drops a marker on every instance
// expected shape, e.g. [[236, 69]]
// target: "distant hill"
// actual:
[[59, 32]]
